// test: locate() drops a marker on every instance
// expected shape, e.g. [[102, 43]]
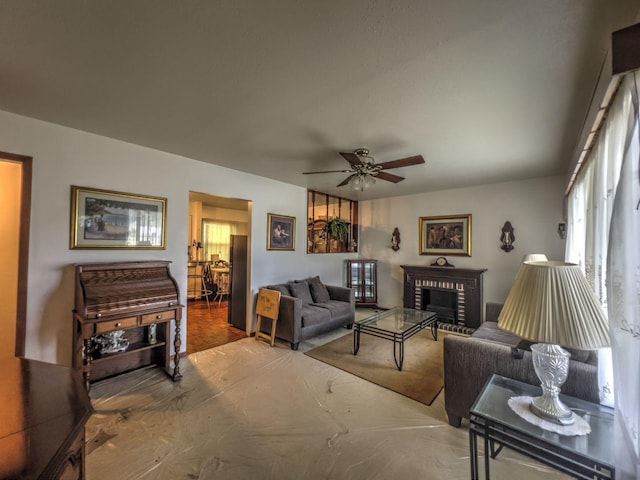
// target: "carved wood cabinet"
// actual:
[[123, 316]]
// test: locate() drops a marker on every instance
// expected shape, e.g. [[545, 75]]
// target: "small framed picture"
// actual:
[[281, 234], [108, 219], [445, 235]]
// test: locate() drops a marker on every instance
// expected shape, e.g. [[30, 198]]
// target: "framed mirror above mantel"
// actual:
[[332, 223]]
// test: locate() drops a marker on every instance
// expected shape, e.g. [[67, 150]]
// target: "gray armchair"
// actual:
[[470, 361]]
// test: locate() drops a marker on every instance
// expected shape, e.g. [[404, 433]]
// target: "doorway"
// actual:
[[15, 196], [213, 222]]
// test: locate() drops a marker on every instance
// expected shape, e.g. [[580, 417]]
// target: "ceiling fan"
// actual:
[[364, 170]]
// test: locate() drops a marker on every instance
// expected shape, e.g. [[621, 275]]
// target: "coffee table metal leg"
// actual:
[[400, 352], [434, 330], [356, 340]]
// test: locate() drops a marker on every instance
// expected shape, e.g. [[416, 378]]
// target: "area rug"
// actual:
[[421, 377]]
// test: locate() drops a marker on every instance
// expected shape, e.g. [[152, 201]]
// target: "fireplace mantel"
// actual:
[[468, 283]]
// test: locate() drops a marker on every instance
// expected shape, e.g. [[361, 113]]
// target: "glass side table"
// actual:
[[588, 456]]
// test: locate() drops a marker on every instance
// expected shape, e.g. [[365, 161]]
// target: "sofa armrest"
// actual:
[[469, 362], [342, 294], [289, 326]]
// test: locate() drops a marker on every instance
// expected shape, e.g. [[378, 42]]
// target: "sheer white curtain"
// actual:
[[624, 291], [216, 238], [577, 218], [602, 236]]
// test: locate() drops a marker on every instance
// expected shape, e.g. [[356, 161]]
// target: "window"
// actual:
[[216, 239], [603, 231], [332, 225]]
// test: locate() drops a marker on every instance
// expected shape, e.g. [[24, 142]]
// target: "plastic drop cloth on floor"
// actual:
[[248, 411]]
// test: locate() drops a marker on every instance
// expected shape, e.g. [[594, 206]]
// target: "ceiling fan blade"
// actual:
[[389, 177], [328, 171], [352, 158], [403, 162], [346, 180]]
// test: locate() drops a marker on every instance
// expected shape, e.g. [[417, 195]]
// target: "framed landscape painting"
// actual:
[[281, 233], [108, 219], [445, 235]]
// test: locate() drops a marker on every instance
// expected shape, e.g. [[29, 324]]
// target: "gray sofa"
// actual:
[[470, 361], [309, 307]]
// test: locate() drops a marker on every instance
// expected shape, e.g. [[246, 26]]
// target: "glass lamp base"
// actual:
[[551, 364], [552, 410]]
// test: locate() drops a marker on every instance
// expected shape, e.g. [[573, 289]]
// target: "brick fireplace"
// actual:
[[454, 293]]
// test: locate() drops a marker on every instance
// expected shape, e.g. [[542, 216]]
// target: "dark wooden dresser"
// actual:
[[44, 411], [131, 304]]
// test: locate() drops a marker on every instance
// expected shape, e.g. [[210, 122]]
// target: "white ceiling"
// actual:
[[484, 90]]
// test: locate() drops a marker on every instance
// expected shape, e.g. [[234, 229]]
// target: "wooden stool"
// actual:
[[268, 306]]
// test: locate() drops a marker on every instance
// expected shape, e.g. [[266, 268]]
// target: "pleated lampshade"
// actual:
[[534, 257], [551, 302]]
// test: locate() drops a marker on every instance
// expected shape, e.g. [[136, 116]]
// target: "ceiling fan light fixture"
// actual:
[[361, 182], [356, 182], [368, 181], [363, 169]]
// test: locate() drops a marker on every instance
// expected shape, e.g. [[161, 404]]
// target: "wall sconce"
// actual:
[[507, 237], [562, 230], [395, 240]]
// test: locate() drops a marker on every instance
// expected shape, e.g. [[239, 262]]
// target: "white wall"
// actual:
[[534, 208], [63, 157]]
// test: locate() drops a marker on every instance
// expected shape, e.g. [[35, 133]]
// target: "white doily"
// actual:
[[520, 405]]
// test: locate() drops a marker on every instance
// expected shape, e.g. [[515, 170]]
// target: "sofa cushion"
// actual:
[[319, 292], [492, 311], [583, 356], [490, 331], [301, 290], [313, 315], [336, 307], [282, 288]]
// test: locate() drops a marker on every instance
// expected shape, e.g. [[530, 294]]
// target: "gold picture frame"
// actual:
[[445, 235], [281, 232], [108, 219]]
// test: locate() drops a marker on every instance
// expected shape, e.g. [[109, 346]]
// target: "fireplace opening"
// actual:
[[442, 301]]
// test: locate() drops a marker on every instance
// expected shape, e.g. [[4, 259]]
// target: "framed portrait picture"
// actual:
[[281, 233], [108, 219], [445, 235]]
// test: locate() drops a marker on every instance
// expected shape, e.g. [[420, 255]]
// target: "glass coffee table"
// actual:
[[397, 325]]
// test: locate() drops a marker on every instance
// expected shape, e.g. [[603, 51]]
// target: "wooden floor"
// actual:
[[209, 328]]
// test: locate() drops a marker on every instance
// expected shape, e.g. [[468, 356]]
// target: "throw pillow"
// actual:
[[576, 355], [283, 289], [301, 290], [319, 292], [310, 280]]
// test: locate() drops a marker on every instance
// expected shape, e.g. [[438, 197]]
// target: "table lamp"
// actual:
[[534, 257], [551, 303]]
